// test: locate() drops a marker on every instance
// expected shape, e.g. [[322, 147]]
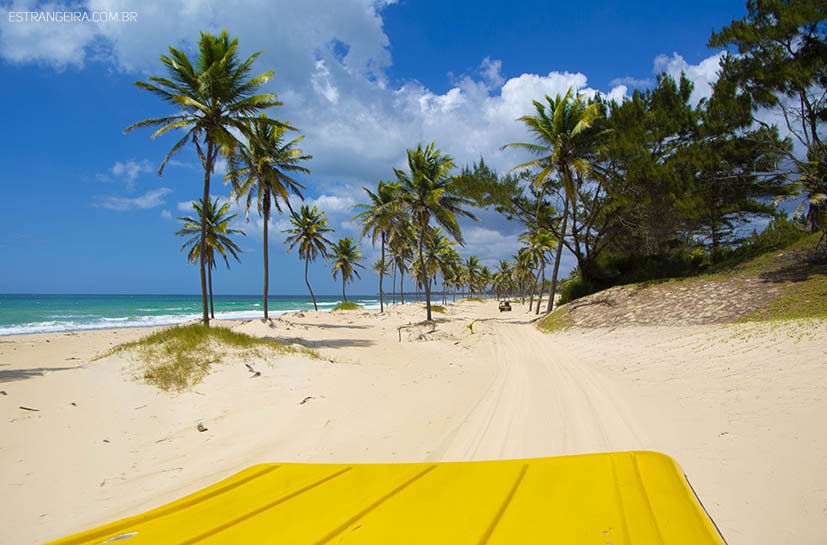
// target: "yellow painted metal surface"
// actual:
[[622, 498]]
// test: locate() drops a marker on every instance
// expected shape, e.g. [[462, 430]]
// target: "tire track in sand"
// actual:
[[541, 402]]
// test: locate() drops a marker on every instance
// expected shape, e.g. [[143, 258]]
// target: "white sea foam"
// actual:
[[82, 322]]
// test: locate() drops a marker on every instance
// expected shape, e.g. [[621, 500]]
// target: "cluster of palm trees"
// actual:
[[414, 219], [221, 115], [525, 275]]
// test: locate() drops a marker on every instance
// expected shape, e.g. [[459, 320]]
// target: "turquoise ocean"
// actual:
[[21, 313]]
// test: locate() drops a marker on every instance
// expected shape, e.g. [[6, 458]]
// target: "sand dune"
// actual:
[[742, 408]]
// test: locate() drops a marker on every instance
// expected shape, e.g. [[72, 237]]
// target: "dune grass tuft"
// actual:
[[471, 300], [558, 320], [436, 308], [178, 358], [347, 305]]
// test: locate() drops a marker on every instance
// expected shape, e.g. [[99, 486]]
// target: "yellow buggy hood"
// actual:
[[619, 498]]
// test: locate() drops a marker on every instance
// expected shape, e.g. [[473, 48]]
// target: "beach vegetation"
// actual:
[[777, 59], [663, 187], [215, 100], [178, 358], [261, 172], [307, 233], [218, 234], [797, 301], [557, 320]]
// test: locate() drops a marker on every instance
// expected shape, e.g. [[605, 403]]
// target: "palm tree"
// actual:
[[345, 257], [472, 273], [503, 279], [381, 268], [428, 192], [439, 257], [215, 100], [484, 280], [401, 243], [524, 263], [450, 263], [565, 143], [218, 237], [261, 170], [309, 227], [540, 243], [378, 220]]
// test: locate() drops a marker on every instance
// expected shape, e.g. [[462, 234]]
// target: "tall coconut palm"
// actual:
[[307, 232], [345, 258], [378, 220], [217, 240], [428, 192], [540, 244], [215, 100], [261, 171], [565, 144]]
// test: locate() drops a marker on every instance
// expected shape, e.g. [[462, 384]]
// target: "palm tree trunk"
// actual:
[[207, 172], [344, 297], [306, 281], [553, 288], [542, 283], [381, 277], [531, 297], [422, 269], [266, 214], [393, 282], [209, 280]]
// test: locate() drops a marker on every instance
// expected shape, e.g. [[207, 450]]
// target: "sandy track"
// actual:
[[540, 402]]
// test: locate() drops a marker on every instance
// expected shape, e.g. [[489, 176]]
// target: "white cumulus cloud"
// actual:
[[150, 199], [703, 75]]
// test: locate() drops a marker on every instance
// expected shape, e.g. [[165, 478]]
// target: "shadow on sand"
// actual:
[[11, 375], [326, 343]]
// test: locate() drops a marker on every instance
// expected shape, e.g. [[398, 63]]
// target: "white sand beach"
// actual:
[[742, 408]]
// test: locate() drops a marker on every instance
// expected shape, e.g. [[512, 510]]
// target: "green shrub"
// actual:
[[573, 288], [347, 305]]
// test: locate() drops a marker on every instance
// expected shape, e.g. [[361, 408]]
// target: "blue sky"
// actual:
[[83, 211]]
